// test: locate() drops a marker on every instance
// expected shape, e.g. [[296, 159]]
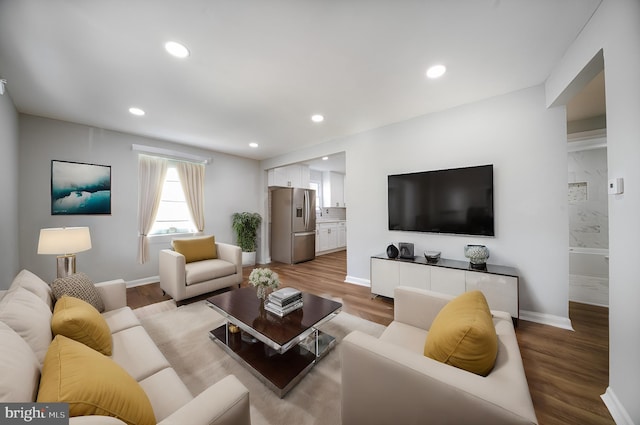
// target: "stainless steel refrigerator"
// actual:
[[293, 225]]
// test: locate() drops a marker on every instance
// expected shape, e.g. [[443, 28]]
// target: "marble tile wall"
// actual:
[[588, 199]]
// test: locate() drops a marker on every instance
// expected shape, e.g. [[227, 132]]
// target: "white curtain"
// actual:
[[192, 181], [151, 175]]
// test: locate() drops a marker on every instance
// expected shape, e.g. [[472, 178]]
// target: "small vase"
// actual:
[[477, 255]]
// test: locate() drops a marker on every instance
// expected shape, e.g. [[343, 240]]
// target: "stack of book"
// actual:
[[283, 301]]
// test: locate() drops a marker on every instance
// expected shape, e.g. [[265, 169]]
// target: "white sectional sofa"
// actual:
[[25, 316]]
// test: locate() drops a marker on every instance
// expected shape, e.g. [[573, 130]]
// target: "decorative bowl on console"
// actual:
[[477, 255]]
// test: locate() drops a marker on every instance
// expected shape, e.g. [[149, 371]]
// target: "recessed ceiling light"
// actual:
[[324, 158], [176, 49], [436, 71], [317, 118], [253, 144], [136, 111]]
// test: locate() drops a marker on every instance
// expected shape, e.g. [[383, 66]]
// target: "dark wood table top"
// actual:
[[244, 306]]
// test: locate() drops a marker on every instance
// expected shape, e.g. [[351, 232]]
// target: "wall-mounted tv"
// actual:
[[454, 201]]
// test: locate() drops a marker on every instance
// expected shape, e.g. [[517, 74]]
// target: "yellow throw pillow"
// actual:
[[463, 335], [196, 249], [92, 384], [80, 321]]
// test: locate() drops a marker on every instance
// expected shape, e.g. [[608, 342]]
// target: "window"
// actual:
[[316, 186], [173, 213]]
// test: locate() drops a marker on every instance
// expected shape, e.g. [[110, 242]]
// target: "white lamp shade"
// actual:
[[64, 240]]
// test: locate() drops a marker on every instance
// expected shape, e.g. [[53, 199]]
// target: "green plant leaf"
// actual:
[[245, 225]]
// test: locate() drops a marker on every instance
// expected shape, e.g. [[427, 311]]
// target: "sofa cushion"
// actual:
[[30, 317], [19, 368], [137, 354], [207, 270], [80, 321], [121, 319], [196, 249], [80, 286], [463, 334], [92, 384], [165, 402], [32, 283]]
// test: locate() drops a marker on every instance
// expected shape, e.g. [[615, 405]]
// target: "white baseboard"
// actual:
[[143, 281], [546, 319], [617, 410], [357, 281]]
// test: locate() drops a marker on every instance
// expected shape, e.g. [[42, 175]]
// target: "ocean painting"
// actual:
[[78, 188]]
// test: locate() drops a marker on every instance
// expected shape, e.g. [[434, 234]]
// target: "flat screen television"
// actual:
[[454, 201]]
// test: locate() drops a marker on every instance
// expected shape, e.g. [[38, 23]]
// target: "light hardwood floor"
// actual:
[[567, 371]]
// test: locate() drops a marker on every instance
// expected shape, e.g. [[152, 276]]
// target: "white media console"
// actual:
[[499, 284]]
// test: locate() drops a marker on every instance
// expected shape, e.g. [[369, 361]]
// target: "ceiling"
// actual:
[[335, 162], [589, 102], [259, 69]]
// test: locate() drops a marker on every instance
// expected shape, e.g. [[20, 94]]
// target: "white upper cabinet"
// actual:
[[289, 176], [333, 189]]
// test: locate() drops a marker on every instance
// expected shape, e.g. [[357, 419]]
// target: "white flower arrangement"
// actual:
[[263, 279]]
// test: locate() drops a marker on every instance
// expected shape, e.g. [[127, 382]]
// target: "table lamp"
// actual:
[[64, 242]]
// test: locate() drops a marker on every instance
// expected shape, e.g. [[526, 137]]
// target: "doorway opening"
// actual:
[[587, 195]]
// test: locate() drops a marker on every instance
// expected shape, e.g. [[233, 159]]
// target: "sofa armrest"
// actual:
[[172, 273], [113, 294], [224, 403], [418, 307], [383, 383], [230, 253]]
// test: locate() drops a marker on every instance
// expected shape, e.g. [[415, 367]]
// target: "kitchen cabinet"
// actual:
[[289, 176], [333, 189], [331, 236], [342, 234], [328, 235], [499, 284]]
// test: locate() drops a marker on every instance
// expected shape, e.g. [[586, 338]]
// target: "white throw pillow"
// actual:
[[19, 368], [30, 317], [32, 283]]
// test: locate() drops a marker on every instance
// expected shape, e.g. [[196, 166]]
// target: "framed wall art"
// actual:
[[78, 188]]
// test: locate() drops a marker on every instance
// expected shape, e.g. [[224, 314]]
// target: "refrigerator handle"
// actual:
[[306, 209]]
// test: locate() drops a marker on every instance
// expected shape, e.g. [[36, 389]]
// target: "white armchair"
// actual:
[[184, 280], [389, 380]]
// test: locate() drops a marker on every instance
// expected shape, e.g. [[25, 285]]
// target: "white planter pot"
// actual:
[[249, 258]]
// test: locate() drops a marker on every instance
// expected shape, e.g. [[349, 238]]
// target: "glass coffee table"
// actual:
[[277, 350]]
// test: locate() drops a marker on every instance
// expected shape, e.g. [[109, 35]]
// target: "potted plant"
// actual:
[[245, 225]]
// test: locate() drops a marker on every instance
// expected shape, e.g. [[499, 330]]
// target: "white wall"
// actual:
[[526, 143], [515, 133], [232, 184], [615, 28], [9, 260]]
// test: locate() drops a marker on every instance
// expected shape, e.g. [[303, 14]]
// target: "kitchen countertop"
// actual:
[[329, 220]]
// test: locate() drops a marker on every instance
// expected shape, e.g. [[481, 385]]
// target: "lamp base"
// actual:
[[66, 265]]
